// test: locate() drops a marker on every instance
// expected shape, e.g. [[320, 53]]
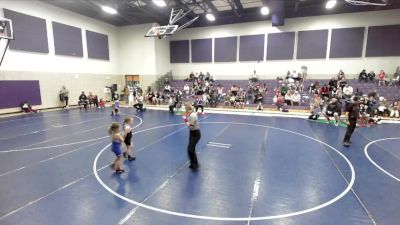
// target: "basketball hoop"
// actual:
[[6, 34], [163, 31]]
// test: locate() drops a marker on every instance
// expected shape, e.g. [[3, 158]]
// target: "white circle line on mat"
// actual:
[[376, 164], [67, 144], [333, 200]]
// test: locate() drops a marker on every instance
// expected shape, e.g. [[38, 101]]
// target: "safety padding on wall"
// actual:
[[14, 92]]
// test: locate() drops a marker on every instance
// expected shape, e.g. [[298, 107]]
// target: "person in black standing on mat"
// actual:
[[353, 110], [192, 122]]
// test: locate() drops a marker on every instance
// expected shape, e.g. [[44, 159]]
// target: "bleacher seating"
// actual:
[[389, 92]]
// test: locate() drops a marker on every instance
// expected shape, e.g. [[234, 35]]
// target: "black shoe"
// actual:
[[346, 144], [130, 158], [194, 167]]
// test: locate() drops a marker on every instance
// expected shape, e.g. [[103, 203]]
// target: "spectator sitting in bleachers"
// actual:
[[298, 86], [324, 91], [284, 89], [358, 93], [342, 83], [363, 76], [208, 76], [296, 99], [347, 91], [186, 89], [167, 88], [333, 109], [371, 75], [314, 88], [83, 100], [394, 109], [332, 83], [201, 76], [191, 76], [383, 107], [280, 102], [382, 78], [288, 98], [27, 108]]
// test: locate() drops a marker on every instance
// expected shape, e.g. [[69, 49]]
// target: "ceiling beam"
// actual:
[[211, 6], [235, 7]]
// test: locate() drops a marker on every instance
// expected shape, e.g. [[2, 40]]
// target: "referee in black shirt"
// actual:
[[353, 110]]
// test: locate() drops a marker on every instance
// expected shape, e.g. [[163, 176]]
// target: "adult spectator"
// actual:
[[371, 75], [341, 75], [332, 83], [167, 88], [363, 76], [347, 91], [64, 96], [83, 100], [383, 107], [333, 109], [280, 102], [382, 78], [394, 109], [208, 76], [172, 104], [91, 99], [353, 110], [288, 98], [296, 98]]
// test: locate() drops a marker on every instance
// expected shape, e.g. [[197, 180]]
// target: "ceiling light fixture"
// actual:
[[109, 10], [210, 17], [330, 4], [264, 10], [160, 3]]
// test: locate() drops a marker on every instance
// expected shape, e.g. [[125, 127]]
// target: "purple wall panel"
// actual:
[[201, 50], [225, 49], [347, 42], [280, 46], [67, 40], [251, 47], [312, 44], [97, 45], [14, 92], [179, 51], [30, 32], [383, 41]]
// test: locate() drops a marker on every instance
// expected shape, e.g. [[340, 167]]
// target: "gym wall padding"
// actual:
[[179, 51], [251, 48], [14, 92], [347, 42], [30, 33], [97, 45], [280, 46], [383, 41], [67, 40], [201, 50], [312, 44], [225, 49]]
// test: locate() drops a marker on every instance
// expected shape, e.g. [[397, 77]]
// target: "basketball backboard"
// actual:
[[6, 29]]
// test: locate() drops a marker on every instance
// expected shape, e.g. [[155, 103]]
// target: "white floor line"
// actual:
[[219, 146], [67, 144], [48, 159], [54, 127], [216, 143], [257, 181], [49, 194], [347, 182], [133, 211]]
